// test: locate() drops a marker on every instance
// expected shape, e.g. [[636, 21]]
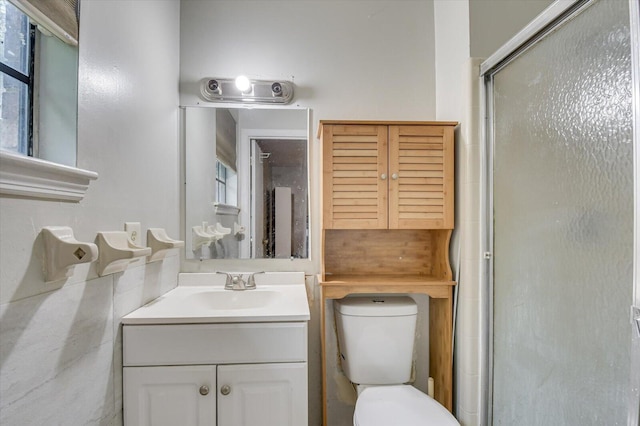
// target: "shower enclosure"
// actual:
[[562, 106]]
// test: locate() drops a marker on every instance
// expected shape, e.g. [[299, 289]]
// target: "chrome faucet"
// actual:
[[236, 282]]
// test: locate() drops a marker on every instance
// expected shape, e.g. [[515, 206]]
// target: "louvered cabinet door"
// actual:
[[355, 176], [421, 177]]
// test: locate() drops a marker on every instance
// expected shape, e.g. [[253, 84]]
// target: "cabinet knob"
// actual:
[[204, 390], [394, 176], [383, 176], [225, 390]]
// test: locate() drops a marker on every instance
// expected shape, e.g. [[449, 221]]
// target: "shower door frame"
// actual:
[[555, 15]]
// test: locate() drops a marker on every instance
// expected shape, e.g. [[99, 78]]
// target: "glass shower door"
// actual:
[[563, 224]]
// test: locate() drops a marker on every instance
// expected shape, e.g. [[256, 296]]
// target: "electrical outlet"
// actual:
[[134, 232]]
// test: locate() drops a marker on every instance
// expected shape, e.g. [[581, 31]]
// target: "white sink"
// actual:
[[201, 298], [233, 300]]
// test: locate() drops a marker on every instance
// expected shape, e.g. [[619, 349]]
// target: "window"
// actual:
[[38, 84], [17, 46], [226, 195], [221, 183], [38, 100]]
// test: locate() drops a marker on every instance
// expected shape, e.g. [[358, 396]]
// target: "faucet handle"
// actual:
[[229, 280], [252, 280]]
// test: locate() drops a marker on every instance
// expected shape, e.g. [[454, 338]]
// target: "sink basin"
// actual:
[[201, 298], [231, 300]]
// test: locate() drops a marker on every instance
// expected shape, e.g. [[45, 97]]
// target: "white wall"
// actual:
[[494, 22], [60, 355]]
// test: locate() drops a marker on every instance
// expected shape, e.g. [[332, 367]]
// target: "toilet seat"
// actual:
[[399, 405]]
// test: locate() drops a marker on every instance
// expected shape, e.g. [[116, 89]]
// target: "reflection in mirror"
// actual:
[[246, 190], [279, 198]]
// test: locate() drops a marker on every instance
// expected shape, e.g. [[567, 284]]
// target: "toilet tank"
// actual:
[[375, 337]]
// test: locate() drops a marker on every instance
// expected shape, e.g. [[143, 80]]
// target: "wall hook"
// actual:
[[62, 252], [116, 252], [218, 231], [200, 237], [160, 243]]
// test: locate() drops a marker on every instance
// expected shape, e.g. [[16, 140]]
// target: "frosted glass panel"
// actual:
[[563, 222]]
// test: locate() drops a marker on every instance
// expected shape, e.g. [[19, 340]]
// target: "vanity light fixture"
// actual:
[[244, 90]]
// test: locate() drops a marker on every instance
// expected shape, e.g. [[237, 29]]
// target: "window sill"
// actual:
[[225, 209], [35, 178]]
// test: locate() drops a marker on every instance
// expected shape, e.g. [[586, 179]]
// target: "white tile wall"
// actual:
[[56, 355], [60, 351]]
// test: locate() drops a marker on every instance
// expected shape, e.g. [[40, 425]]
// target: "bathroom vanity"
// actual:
[[202, 355], [388, 215]]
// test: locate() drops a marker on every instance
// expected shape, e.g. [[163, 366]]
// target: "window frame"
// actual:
[[23, 175]]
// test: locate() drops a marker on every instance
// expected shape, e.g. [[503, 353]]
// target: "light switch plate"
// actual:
[[134, 232]]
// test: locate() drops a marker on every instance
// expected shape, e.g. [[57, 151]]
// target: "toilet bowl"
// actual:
[[399, 405], [376, 336]]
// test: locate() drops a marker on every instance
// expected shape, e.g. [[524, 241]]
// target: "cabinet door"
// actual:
[[354, 176], [170, 396], [421, 177], [262, 395]]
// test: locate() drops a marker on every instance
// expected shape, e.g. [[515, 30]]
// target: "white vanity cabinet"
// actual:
[[234, 374]]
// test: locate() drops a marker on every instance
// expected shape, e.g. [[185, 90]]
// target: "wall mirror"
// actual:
[[246, 183]]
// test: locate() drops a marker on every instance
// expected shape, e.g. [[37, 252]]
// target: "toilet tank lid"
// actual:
[[376, 306]]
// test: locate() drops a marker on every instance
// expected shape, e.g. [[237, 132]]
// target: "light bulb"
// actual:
[[243, 84]]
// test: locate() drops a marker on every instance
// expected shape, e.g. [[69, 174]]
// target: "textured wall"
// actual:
[[60, 355]]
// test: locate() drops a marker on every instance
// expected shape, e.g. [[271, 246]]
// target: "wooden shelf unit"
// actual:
[[371, 243]]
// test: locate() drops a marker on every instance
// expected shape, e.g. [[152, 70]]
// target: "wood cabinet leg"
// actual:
[[324, 357], [440, 348]]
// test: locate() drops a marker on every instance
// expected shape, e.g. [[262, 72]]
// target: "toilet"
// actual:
[[376, 337]]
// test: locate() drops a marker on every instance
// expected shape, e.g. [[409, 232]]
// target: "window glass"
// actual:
[[221, 183], [14, 37], [14, 111], [16, 82]]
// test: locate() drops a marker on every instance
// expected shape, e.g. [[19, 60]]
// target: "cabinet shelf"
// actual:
[[389, 280], [338, 286], [378, 254]]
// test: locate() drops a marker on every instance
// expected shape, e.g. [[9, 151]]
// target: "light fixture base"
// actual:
[[214, 89]]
